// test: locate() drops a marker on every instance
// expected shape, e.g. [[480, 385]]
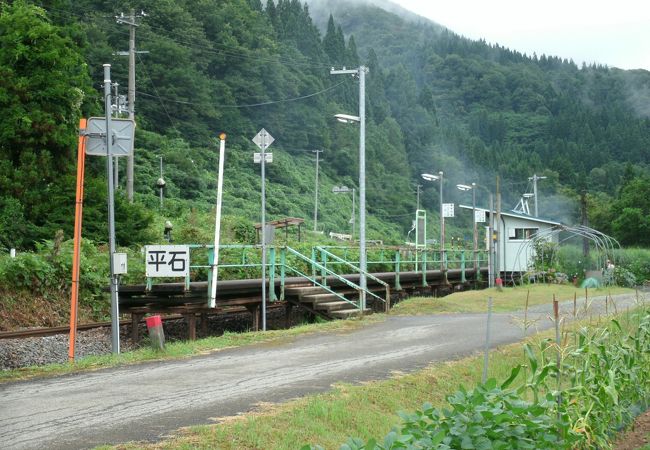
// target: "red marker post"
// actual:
[[156, 333]]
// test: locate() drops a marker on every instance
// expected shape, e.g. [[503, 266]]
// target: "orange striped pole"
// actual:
[[74, 296]]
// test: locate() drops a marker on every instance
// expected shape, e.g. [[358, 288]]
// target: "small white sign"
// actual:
[[447, 210], [257, 158], [167, 260], [263, 139], [119, 263], [479, 215]]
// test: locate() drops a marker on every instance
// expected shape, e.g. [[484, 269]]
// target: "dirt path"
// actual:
[[146, 401], [638, 436]]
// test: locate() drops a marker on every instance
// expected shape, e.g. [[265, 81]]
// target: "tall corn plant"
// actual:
[[602, 379]]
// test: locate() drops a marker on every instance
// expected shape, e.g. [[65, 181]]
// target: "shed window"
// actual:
[[521, 234]]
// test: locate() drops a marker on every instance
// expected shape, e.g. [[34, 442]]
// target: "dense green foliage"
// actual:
[[600, 383], [435, 101]]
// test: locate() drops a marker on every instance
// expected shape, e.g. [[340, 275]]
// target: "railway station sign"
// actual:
[[447, 210], [167, 260], [480, 216]]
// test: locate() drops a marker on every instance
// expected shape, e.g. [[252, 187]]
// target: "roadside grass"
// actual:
[[364, 411], [183, 349], [506, 300]]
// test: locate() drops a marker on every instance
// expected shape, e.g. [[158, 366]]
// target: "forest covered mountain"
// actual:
[[435, 101]]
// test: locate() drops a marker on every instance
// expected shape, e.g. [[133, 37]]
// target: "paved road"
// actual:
[[147, 401]]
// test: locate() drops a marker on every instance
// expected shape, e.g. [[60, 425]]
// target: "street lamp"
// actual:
[[472, 187], [431, 177], [346, 118], [361, 119], [345, 190], [466, 188]]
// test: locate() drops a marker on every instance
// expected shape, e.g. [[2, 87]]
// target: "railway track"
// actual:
[[235, 294], [51, 331]]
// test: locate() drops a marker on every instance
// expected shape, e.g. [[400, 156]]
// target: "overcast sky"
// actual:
[[615, 33]]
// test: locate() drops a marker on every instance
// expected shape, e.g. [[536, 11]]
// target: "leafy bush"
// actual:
[[620, 276], [632, 264], [598, 385]]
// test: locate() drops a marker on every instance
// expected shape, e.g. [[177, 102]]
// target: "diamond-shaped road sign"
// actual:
[[122, 136], [263, 139]]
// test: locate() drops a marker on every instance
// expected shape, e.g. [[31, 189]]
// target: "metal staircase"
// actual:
[[316, 296]]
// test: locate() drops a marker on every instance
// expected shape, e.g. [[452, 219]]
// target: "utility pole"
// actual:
[[442, 229], [474, 230], [318, 152], [115, 319], [117, 108], [534, 179], [491, 244], [353, 219], [498, 233], [130, 20]]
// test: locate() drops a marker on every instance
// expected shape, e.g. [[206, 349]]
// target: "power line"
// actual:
[[144, 69], [251, 105], [230, 51]]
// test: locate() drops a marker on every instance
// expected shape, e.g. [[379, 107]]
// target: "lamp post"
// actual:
[[465, 188], [534, 179], [345, 190], [430, 177], [472, 187], [361, 73], [318, 152]]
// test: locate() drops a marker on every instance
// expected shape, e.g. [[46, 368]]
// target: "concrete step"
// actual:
[[332, 306], [347, 313], [319, 298], [304, 290]]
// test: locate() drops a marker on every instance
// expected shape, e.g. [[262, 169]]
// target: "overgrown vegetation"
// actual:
[[573, 395], [632, 265]]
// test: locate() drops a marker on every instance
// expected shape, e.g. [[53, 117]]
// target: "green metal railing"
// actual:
[[412, 260], [324, 254], [244, 261], [315, 265]]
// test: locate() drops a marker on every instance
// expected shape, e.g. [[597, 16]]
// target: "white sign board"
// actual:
[[167, 260], [121, 141], [263, 139], [479, 215], [257, 157], [447, 210]]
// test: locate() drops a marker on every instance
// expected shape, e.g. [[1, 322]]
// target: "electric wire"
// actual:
[[231, 51], [144, 69], [250, 105]]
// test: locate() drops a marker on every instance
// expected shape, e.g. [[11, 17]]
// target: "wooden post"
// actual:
[[135, 322], [287, 315], [191, 326], [204, 324], [255, 312]]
